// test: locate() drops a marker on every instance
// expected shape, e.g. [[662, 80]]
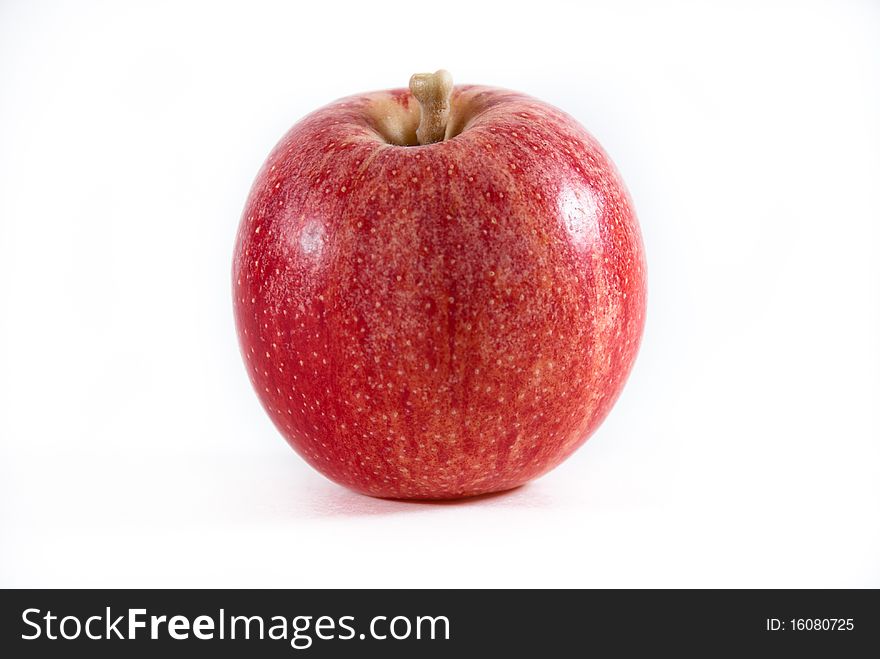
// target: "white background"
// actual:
[[745, 450]]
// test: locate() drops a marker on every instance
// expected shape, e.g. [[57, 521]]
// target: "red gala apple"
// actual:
[[439, 291]]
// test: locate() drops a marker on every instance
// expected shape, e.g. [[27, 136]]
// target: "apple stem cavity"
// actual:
[[432, 91]]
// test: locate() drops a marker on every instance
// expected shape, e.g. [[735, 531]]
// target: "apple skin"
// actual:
[[438, 321]]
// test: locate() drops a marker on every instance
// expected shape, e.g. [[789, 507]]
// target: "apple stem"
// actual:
[[432, 91]]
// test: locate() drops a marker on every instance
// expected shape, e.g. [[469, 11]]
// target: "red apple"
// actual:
[[437, 319]]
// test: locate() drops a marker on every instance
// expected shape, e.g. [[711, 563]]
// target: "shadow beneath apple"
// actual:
[[333, 500], [267, 489]]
